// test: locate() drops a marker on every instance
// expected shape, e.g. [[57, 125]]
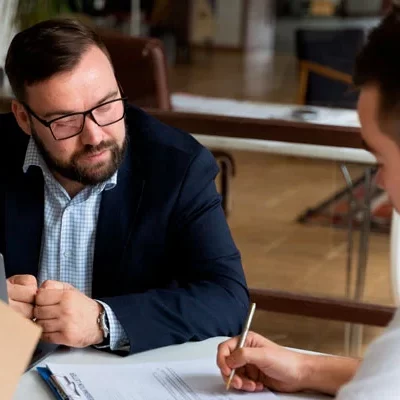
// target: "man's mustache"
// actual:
[[89, 149]]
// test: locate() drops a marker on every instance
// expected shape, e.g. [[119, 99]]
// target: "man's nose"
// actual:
[[92, 134]]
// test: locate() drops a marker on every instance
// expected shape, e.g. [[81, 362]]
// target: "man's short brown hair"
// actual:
[[378, 64], [45, 49]]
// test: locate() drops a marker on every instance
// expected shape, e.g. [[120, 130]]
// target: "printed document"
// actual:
[[183, 380]]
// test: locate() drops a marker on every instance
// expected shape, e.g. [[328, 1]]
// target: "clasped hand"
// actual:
[[65, 315]]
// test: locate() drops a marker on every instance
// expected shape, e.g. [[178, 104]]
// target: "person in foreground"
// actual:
[[111, 226], [265, 364]]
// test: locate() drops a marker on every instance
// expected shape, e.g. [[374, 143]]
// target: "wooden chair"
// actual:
[[141, 68], [309, 67]]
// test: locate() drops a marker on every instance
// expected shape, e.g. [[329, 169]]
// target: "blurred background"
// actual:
[[289, 208]]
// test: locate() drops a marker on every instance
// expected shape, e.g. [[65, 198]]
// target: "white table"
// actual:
[[284, 112], [319, 116], [33, 388]]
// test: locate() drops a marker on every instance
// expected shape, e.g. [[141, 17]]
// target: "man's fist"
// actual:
[[67, 316]]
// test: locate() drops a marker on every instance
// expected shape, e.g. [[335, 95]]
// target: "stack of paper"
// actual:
[[194, 380]]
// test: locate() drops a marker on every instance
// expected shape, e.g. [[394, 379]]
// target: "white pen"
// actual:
[[243, 337]]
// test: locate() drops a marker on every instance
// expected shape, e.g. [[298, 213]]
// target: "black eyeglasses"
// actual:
[[71, 125]]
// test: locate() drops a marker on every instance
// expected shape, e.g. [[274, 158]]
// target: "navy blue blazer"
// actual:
[[164, 258]]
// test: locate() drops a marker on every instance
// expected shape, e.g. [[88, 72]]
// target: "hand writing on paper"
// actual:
[[261, 363], [67, 316], [21, 293]]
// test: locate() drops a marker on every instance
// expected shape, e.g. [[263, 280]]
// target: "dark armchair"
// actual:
[[326, 61]]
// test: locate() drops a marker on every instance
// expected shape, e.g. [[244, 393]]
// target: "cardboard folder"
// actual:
[[18, 339]]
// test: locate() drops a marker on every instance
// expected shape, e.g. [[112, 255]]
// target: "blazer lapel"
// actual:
[[118, 211], [24, 211]]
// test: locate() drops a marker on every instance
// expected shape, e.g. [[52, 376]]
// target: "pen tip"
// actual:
[[228, 384]]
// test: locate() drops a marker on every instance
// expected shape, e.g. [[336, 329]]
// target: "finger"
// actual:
[[224, 350], [248, 385], [246, 355], [22, 308], [49, 325], [46, 312], [241, 382], [48, 297], [256, 340], [49, 284], [259, 386], [25, 280], [251, 386], [20, 293]]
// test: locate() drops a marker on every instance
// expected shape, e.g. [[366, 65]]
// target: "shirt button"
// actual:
[[67, 253]]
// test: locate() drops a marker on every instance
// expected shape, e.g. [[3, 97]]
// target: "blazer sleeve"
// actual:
[[211, 297]]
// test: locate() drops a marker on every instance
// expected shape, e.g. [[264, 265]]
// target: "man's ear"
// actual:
[[21, 116]]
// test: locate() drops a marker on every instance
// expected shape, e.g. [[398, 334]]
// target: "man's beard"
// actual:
[[85, 175]]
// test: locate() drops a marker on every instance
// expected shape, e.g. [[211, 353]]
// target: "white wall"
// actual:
[[366, 6], [260, 25], [229, 23], [7, 31], [203, 22]]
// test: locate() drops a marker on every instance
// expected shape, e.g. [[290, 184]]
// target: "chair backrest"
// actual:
[[336, 49], [141, 69]]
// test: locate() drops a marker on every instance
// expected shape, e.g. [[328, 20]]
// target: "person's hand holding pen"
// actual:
[[262, 363], [242, 340]]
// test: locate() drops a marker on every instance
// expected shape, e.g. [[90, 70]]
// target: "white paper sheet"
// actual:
[[193, 380]]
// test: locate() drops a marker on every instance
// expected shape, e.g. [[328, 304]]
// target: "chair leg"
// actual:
[[225, 178], [227, 171]]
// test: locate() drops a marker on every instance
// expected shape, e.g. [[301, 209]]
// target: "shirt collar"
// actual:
[[33, 158]]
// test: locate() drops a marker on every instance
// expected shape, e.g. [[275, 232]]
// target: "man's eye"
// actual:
[[68, 120], [104, 108]]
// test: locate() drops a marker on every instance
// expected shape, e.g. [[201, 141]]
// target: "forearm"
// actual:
[[327, 374], [163, 317]]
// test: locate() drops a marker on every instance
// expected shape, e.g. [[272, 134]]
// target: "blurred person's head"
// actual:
[[377, 75], [59, 68]]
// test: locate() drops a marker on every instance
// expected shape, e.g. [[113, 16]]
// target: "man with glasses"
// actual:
[[110, 223]]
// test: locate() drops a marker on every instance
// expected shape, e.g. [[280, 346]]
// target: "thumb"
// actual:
[[24, 280], [244, 356], [49, 284]]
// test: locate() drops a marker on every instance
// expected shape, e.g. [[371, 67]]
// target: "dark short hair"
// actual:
[[45, 49], [378, 64]]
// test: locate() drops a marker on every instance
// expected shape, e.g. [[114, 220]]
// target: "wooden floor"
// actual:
[[269, 192]]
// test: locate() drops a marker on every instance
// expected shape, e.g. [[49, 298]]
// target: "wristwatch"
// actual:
[[102, 320]]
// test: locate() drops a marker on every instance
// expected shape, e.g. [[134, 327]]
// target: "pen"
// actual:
[[243, 337]]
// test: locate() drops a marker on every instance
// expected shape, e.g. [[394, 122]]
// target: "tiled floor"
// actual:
[[269, 192]]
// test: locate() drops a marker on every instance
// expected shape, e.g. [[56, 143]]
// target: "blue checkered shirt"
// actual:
[[68, 236]]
